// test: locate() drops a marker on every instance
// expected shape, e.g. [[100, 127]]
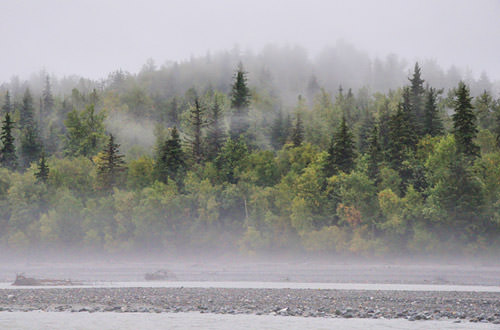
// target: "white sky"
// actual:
[[93, 37]]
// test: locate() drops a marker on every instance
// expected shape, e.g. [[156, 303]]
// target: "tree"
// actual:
[[279, 130], [484, 109], [197, 123], [341, 152], [7, 105], [216, 134], [170, 162], [230, 159], [85, 132], [433, 125], [375, 155], [42, 173], [31, 146], [47, 100], [110, 165], [298, 131], [402, 135], [26, 116], [8, 156], [464, 122], [240, 101], [416, 99]]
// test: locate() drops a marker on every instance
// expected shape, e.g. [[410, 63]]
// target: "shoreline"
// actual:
[[373, 304]]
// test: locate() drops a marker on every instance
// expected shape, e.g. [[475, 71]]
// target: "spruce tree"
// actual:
[[375, 156], [42, 173], [484, 109], [8, 156], [7, 105], [341, 151], [27, 113], [110, 165], [31, 146], [216, 134], [365, 132], [240, 101], [171, 160], [464, 122], [277, 140], [298, 131], [416, 98], [402, 136], [433, 125], [197, 123], [47, 103]]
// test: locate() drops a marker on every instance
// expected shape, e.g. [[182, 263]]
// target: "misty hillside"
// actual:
[[273, 151]]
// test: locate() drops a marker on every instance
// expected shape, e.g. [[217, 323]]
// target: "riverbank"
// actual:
[[410, 305]]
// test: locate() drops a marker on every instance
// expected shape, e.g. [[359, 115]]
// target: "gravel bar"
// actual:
[[411, 305]]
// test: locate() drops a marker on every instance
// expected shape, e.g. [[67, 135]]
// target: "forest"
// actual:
[[256, 153]]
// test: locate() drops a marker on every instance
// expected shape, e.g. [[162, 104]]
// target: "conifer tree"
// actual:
[[298, 131], [171, 160], [7, 105], [197, 123], [31, 146], [110, 165], [216, 135], [433, 125], [27, 113], [240, 101], [464, 122], [402, 136], [341, 151], [416, 98], [375, 156], [47, 103], [42, 173], [365, 132], [277, 140], [8, 156], [484, 109]]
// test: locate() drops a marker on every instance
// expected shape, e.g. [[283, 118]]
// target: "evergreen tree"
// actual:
[[277, 134], [42, 173], [341, 152], [240, 101], [365, 132], [197, 123], [170, 162], [47, 103], [7, 105], [232, 155], [27, 113], [8, 156], [433, 125], [85, 132], [216, 135], [375, 156], [110, 165], [298, 131], [402, 136], [484, 110], [31, 146], [417, 97], [464, 122]]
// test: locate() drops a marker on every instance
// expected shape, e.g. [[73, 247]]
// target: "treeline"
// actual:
[[412, 170]]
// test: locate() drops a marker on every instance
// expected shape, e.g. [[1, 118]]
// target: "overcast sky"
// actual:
[[93, 37]]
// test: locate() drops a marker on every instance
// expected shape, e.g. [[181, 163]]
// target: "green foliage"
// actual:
[[8, 156], [341, 152], [85, 132], [110, 166], [42, 173], [464, 122], [240, 101], [230, 160], [170, 162]]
